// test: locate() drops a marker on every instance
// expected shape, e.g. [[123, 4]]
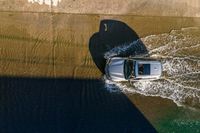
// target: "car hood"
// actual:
[[116, 69]]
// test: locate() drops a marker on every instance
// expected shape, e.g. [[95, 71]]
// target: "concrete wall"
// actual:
[[186, 8]]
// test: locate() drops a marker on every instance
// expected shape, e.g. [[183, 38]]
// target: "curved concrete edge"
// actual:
[[182, 8]]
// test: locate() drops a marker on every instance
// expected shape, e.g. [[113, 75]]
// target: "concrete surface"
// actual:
[[186, 8], [56, 45]]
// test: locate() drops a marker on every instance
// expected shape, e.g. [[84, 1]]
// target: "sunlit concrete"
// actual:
[[186, 8]]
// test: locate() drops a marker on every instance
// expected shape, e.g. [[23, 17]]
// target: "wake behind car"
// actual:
[[128, 68]]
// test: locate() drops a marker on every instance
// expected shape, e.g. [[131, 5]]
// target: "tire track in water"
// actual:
[[18, 38], [34, 51]]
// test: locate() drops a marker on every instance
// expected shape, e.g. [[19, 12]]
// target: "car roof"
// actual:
[[148, 69]]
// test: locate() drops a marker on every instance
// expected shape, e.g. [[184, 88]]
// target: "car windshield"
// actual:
[[128, 69]]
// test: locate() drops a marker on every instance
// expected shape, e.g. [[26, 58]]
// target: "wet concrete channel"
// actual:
[[49, 79]]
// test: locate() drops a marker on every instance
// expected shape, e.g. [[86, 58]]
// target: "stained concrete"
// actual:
[[185, 8]]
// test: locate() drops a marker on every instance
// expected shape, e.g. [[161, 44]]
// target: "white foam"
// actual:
[[179, 83], [177, 92], [123, 47], [47, 2], [177, 66]]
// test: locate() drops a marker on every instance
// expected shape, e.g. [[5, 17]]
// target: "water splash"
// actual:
[[179, 52], [47, 2], [135, 48]]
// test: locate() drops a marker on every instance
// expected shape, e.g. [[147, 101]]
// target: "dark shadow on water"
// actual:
[[113, 33], [45, 105]]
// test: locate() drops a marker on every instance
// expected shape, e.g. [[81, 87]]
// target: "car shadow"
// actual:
[[114, 36]]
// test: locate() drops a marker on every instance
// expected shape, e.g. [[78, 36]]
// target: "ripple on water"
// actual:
[[179, 52]]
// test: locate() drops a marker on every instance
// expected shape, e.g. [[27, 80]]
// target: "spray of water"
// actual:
[[181, 72]]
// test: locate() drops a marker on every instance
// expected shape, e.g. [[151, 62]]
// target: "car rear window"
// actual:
[[144, 69]]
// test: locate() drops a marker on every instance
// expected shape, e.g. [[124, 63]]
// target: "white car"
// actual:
[[124, 69]]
